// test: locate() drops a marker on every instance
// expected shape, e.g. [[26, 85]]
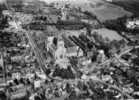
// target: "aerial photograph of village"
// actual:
[[69, 49]]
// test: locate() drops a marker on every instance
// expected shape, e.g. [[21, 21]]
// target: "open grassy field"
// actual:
[[129, 5], [110, 34], [103, 10], [110, 12]]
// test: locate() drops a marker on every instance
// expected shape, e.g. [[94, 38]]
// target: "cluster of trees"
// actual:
[[43, 18], [3, 21], [119, 25], [8, 39]]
